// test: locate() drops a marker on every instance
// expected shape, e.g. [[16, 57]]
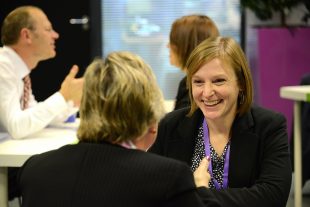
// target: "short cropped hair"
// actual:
[[14, 22], [230, 53], [120, 99], [187, 32]]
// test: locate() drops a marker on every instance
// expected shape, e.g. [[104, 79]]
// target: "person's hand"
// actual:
[[201, 174], [71, 87]]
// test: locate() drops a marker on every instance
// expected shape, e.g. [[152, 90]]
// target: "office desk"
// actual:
[[298, 94], [13, 153], [169, 105]]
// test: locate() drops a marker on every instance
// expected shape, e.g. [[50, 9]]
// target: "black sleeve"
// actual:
[[183, 192], [182, 97]]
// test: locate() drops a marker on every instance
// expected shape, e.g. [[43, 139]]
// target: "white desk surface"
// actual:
[[169, 105], [297, 93], [13, 153]]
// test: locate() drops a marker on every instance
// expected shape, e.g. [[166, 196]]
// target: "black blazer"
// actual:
[[182, 99], [103, 174], [259, 164]]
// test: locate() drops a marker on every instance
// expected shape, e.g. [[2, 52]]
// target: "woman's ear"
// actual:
[[147, 140], [153, 129]]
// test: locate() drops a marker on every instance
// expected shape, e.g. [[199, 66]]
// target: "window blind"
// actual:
[[143, 26]]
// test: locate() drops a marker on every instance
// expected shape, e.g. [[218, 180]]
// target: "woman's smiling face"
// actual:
[[215, 90]]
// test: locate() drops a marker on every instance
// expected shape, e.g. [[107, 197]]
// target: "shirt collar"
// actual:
[[20, 68]]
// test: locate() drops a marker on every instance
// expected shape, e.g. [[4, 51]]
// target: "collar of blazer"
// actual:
[[243, 150], [188, 126]]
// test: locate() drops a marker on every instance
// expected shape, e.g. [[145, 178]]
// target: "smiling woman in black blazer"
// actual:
[[247, 145]]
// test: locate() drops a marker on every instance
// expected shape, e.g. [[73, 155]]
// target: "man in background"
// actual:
[[28, 38]]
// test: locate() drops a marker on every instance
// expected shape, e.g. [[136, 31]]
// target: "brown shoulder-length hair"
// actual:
[[229, 52], [187, 32]]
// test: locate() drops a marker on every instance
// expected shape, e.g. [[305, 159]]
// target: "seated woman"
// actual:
[[120, 109], [247, 145], [185, 34]]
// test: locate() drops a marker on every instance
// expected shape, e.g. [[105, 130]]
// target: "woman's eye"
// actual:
[[219, 81], [197, 82]]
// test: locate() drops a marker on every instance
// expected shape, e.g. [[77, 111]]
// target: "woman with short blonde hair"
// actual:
[[121, 99], [109, 166]]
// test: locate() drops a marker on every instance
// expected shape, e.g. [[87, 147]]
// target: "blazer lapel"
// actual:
[[187, 131], [243, 152]]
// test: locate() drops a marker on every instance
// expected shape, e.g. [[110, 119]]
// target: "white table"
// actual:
[[13, 153], [298, 94], [169, 105]]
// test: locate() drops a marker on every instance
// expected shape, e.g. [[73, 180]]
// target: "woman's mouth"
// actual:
[[212, 103]]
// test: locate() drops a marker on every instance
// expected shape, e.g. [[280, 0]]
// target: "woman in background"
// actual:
[[186, 33], [120, 109]]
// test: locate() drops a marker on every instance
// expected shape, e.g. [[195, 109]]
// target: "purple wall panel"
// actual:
[[284, 57]]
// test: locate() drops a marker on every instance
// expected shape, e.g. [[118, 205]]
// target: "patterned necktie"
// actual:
[[27, 91]]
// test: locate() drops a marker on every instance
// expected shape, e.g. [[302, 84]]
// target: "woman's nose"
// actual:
[[208, 90]]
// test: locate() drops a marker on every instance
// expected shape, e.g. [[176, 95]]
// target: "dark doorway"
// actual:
[[75, 45]]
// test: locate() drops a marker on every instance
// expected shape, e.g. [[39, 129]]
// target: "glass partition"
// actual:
[[143, 26]]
